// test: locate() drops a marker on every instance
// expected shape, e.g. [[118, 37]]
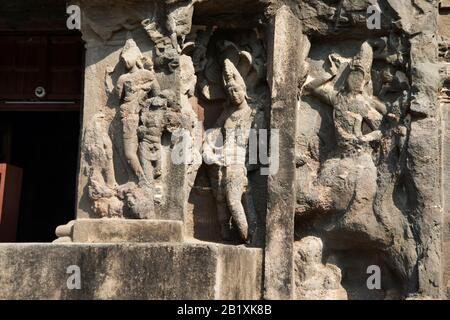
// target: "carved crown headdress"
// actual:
[[363, 59], [131, 48], [231, 75]]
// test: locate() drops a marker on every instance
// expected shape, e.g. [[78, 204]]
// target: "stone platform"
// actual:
[[120, 231], [131, 271]]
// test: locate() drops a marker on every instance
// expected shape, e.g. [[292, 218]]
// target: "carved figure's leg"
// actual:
[[155, 150], [110, 176], [251, 216], [235, 186], [130, 124], [157, 168], [320, 195], [145, 160], [315, 200], [217, 185], [171, 26]]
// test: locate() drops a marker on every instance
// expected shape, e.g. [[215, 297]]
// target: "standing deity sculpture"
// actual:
[[150, 132], [134, 88], [137, 89], [228, 172]]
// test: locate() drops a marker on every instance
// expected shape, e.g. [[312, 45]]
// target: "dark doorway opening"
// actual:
[[45, 145], [41, 72]]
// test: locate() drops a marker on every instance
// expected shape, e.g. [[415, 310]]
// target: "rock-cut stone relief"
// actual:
[[97, 148], [169, 36], [352, 107], [356, 122], [315, 280], [133, 89], [150, 118], [228, 174], [168, 80], [232, 73], [347, 188]]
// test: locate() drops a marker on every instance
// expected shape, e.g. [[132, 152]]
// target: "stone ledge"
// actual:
[[120, 231], [131, 271]]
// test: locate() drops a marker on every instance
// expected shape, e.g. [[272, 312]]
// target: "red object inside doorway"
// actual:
[[10, 192]]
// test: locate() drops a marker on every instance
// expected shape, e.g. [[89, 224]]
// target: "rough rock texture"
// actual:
[[359, 117], [121, 230], [286, 72], [368, 144], [130, 271], [444, 99], [313, 279]]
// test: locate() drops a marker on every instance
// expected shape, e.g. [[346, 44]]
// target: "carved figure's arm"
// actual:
[[322, 89], [374, 118], [379, 106], [214, 141], [373, 136], [119, 87], [377, 110], [155, 89]]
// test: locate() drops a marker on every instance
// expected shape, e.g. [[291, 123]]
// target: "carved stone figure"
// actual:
[[315, 280], [358, 104], [229, 174], [133, 89], [178, 20], [102, 185], [357, 119], [150, 133], [167, 37], [231, 73], [347, 181]]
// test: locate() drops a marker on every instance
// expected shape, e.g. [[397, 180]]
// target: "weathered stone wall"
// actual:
[[362, 176], [444, 98], [359, 117], [130, 271], [383, 208]]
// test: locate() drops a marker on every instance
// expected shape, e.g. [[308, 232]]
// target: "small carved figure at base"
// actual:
[[313, 279]]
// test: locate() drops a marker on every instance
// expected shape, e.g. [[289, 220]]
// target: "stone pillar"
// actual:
[[445, 109], [286, 45], [444, 47], [424, 153]]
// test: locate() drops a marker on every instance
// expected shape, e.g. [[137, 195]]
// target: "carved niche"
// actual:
[[233, 98]]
